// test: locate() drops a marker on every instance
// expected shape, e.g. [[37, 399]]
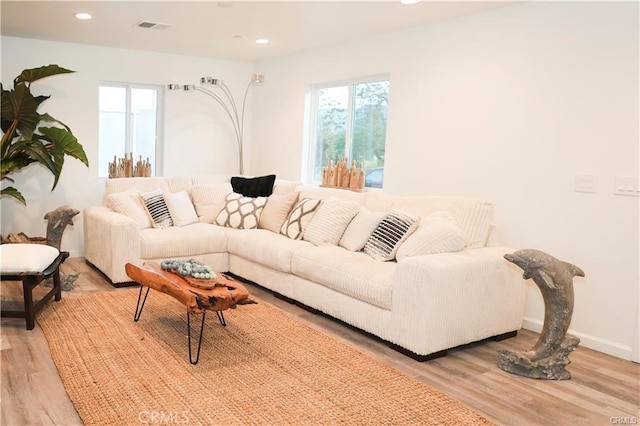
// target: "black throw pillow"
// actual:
[[253, 187]]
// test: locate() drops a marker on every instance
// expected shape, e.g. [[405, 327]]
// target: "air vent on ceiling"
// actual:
[[154, 25]]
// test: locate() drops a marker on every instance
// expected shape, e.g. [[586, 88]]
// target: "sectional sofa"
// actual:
[[443, 286]]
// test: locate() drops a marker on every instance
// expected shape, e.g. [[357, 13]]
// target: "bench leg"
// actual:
[[29, 311], [57, 285]]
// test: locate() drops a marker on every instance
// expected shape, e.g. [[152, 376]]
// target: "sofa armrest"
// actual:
[[460, 297], [111, 240]]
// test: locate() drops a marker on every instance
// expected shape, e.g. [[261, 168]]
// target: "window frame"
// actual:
[[161, 90], [311, 118]]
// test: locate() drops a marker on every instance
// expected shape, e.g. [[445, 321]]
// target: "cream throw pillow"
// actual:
[[180, 208], [276, 210], [437, 233], [360, 229], [128, 203], [328, 224], [208, 200]]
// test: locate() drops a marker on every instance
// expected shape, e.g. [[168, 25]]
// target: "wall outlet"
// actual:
[[627, 185], [586, 183]]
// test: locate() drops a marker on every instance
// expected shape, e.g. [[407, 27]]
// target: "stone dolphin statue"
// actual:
[[555, 280], [57, 221]]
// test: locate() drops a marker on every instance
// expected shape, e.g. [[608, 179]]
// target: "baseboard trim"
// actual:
[[601, 345]]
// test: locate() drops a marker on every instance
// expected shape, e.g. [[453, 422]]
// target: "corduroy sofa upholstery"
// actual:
[[420, 304]]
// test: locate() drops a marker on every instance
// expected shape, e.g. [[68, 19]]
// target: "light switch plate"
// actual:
[[586, 183], [627, 185]]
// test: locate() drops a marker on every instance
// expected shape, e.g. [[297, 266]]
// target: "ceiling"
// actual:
[[224, 29]]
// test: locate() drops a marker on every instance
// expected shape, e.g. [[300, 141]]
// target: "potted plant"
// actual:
[[30, 137]]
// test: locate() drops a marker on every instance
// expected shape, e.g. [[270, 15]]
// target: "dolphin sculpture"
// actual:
[[554, 278], [57, 221]]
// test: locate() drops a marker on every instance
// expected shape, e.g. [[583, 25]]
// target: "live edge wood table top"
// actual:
[[196, 294]]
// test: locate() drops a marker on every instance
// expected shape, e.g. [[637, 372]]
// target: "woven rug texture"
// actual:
[[263, 368]]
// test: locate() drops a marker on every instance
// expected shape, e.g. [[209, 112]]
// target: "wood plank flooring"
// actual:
[[604, 390]]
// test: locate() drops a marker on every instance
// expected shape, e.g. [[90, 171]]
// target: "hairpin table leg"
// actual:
[[221, 318], [191, 360], [139, 306]]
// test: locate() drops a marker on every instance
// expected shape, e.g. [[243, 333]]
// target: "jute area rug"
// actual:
[[263, 368]]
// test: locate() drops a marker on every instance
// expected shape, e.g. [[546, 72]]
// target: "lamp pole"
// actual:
[[225, 99]]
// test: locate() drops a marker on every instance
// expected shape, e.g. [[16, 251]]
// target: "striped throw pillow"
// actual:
[[157, 209], [396, 226]]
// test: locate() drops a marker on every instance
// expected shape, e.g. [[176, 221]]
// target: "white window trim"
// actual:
[[310, 125], [160, 109]]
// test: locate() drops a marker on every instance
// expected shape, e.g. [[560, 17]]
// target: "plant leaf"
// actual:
[[34, 74], [38, 152], [15, 163], [63, 143], [20, 105], [12, 192], [47, 118]]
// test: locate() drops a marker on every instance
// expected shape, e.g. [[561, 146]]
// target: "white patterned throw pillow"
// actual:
[[330, 221], [157, 209], [396, 226], [241, 212], [299, 218]]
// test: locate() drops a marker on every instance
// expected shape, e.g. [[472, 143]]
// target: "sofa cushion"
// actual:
[[473, 216], [394, 228], [241, 212], [180, 208], [330, 221], [129, 204], [360, 229], [261, 186], [265, 248], [276, 210], [437, 233], [157, 208], [352, 273], [208, 199], [299, 218], [190, 240]]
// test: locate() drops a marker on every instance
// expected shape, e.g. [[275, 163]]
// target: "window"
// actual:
[[129, 122], [349, 120]]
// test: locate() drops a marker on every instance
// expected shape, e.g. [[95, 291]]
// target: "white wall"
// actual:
[[198, 136], [510, 105]]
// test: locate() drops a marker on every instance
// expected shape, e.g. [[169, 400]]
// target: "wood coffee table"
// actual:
[[199, 296]]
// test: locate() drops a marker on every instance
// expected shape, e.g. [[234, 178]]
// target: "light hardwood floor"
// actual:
[[604, 390]]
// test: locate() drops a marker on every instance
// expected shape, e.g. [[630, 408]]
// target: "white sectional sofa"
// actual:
[[422, 304]]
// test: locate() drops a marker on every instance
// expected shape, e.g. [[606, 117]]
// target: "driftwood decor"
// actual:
[[342, 176], [125, 167]]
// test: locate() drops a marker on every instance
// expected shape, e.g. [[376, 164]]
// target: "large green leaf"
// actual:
[[35, 74], [12, 192], [20, 105], [63, 143], [14, 163], [38, 152], [47, 118]]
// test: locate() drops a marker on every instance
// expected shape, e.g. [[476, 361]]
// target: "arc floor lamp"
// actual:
[[220, 92]]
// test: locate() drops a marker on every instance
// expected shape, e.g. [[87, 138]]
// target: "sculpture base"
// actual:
[[550, 368]]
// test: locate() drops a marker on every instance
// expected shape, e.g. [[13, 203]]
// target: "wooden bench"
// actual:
[[31, 264]]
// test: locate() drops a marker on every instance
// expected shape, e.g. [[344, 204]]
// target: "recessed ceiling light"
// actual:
[[82, 15], [262, 41]]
